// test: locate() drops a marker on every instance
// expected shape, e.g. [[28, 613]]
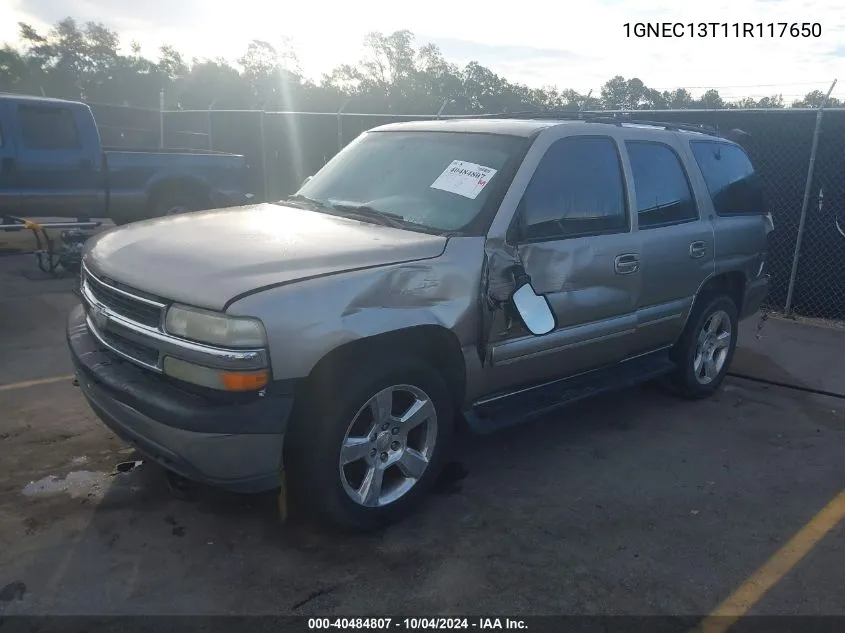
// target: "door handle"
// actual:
[[626, 264], [697, 250]]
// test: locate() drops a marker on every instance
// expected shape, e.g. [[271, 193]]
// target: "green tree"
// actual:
[[775, 101], [679, 99], [213, 83], [272, 75], [710, 100], [629, 94], [393, 75], [814, 99], [15, 75]]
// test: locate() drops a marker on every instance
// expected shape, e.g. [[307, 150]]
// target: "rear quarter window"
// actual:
[[731, 180]]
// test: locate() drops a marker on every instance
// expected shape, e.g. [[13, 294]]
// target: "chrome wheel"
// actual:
[[712, 346], [388, 446]]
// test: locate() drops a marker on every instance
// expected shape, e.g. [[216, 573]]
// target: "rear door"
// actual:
[[677, 240], [9, 195], [740, 220], [58, 167]]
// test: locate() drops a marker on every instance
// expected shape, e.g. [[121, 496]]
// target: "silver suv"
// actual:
[[432, 274]]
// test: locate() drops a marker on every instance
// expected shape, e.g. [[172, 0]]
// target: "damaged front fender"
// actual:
[[307, 320]]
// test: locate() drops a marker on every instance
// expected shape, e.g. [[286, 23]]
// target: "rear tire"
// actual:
[[176, 203], [170, 202], [392, 457], [706, 348]]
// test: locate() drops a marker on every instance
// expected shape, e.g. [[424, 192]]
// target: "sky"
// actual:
[[578, 46]]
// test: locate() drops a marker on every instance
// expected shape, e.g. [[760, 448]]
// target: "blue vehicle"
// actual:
[[52, 164]]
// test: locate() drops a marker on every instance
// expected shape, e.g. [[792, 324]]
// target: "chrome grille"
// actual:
[[130, 349], [131, 307], [118, 318]]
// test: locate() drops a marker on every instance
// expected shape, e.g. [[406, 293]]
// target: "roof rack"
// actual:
[[611, 119], [533, 114], [675, 127]]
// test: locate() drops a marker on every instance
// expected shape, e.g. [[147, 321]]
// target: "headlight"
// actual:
[[214, 328]]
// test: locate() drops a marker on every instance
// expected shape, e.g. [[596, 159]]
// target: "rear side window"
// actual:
[[577, 189], [664, 195], [730, 177], [48, 128]]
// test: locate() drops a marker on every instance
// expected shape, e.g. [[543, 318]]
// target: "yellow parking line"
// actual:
[[34, 383], [740, 602]]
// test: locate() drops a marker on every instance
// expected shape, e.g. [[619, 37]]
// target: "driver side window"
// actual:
[[577, 190]]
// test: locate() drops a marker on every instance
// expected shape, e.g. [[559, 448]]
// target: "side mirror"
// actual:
[[533, 309]]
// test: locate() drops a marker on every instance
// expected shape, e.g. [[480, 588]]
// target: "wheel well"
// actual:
[[193, 188], [731, 284], [434, 343]]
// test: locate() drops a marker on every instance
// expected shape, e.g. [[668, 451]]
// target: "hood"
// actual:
[[206, 259]]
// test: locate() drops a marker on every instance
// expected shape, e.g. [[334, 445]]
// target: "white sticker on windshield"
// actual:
[[463, 178]]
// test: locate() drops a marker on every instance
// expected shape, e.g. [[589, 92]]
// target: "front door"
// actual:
[[575, 241]]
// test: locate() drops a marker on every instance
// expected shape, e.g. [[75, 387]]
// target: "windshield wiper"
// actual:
[[363, 212], [307, 202], [366, 212]]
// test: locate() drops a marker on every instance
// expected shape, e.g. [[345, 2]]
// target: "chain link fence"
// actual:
[[820, 277], [283, 148], [123, 126]]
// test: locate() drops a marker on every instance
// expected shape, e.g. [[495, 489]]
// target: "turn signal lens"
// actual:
[[216, 378], [244, 381]]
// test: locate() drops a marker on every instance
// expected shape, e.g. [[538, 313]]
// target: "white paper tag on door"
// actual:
[[464, 179]]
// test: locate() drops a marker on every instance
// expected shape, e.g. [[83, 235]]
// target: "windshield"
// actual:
[[436, 180]]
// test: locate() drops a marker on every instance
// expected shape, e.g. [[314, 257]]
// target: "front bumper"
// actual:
[[236, 446]]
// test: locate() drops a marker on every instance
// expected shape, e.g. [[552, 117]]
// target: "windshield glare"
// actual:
[[438, 180]]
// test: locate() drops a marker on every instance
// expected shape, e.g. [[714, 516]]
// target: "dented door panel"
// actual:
[[580, 279], [595, 311]]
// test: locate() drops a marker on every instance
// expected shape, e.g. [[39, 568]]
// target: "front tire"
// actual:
[[705, 350], [367, 444]]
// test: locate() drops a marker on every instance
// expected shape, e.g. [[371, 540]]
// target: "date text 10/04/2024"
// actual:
[[417, 624], [723, 29]]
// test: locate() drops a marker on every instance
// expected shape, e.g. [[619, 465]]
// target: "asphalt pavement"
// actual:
[[637, 503]]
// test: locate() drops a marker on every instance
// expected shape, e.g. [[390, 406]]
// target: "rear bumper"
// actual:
[[235, 446], [755, 294]]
